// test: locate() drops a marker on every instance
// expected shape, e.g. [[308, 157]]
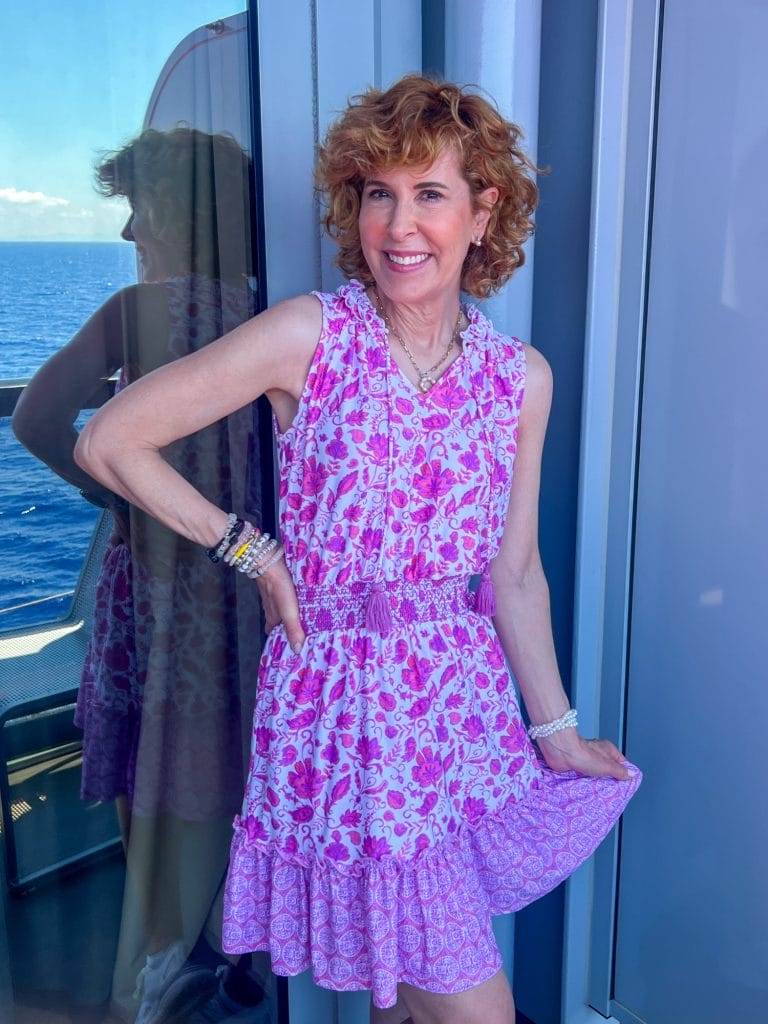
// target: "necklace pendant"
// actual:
[[426, 382]]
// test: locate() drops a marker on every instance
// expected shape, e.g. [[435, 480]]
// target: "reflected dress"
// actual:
[[173, 641], [394, 801]]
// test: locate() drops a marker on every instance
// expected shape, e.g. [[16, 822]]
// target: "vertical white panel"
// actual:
[[693, 900], [287, 106], [622, 168], [495, 44]]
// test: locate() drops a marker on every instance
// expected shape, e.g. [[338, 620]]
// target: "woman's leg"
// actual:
[[488, 1003], [397, 1014]]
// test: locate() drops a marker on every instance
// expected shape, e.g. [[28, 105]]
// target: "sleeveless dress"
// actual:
[[395, 802], [108, 706], [173, 645]]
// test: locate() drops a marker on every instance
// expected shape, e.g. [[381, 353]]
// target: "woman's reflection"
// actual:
[[165, 698]]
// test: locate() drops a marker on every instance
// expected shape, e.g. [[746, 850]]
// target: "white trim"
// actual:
[[626, 56]]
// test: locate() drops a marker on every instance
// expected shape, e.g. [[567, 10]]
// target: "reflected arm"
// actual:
[[120, 446], [44, 417]]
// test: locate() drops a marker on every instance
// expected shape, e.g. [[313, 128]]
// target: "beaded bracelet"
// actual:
[[260, 556], [246, 548], [234, 526], [547, 728], [275, 558], [240, 545], [253, 551], [264, 555], [258, 552], [257, 561]]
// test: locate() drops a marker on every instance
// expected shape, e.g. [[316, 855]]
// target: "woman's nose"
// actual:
[[126, 233], [401, 223]]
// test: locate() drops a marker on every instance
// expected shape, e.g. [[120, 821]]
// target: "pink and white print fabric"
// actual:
[[395, 802]]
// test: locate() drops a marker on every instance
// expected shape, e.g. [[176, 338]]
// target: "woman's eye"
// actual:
[[428, 193]]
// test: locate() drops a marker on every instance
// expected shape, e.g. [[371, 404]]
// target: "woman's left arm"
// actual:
[[523, 619]]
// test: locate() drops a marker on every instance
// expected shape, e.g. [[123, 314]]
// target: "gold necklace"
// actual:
[[426, 377]]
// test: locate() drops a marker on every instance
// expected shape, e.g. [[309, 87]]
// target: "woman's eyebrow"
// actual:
[[421, 184]]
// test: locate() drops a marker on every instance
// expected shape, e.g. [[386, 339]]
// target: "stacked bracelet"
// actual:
[[263, 568], [247, 548], [234, 526], [547, 728]]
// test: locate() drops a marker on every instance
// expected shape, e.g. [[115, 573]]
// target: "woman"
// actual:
[[395, 801]]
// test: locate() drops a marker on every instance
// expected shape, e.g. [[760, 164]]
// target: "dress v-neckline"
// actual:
[[470, 311]]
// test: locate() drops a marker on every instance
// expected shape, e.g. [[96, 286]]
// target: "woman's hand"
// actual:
[[565, 751], [121, 524], [278, 595]]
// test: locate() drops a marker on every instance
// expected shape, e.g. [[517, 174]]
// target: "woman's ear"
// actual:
[[488, 198]]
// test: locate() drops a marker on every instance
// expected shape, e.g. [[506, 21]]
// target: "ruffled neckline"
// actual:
[[478, 326]]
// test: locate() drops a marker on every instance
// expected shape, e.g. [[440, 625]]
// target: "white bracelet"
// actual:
[[278, 554], [258, 546], [225, 542], [258, 550], [245, 534], [547, 728]]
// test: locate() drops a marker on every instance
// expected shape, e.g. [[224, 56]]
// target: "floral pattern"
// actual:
[[163, 686], [394, 800]]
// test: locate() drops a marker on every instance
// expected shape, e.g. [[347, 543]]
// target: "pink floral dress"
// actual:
[[395, 802]]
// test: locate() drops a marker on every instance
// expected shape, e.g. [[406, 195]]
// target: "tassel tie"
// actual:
[[378, 616], [485, 599]]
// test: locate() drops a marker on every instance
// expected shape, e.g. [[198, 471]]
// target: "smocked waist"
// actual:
[[344, 606]]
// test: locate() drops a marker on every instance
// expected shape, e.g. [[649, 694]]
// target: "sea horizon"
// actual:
[[45, 525]]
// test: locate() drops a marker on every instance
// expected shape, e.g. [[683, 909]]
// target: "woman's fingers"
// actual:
[[600, 758], [281, 604], [615, 760], [294, 631]]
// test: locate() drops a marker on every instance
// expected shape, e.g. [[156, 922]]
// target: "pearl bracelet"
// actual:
[[261, 546], [259, 556], [262, 569], [547, 728]]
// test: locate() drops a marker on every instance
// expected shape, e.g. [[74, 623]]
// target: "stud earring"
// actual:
[[477, 241]]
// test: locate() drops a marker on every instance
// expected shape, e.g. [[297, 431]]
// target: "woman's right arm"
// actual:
[[120, 445]]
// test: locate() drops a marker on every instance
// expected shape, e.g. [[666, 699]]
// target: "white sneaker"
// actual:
[[154, 977]]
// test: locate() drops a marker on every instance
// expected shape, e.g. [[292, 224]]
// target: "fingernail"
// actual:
[[296, 647]]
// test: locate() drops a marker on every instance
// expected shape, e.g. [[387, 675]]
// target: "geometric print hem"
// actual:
[[426, 920]]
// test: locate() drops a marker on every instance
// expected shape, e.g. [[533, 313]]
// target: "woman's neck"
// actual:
[[426, 328]]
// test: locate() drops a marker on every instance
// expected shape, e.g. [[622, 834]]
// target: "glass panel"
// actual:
[[127, 658]]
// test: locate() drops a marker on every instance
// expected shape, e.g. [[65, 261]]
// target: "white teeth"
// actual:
[[405, 260]]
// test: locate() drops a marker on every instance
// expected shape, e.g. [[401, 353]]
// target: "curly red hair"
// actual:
[[410, 124]]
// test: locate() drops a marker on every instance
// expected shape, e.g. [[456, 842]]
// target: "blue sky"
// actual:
[[76, 80]]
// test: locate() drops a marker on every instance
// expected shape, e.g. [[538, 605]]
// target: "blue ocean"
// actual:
[[47, 291]]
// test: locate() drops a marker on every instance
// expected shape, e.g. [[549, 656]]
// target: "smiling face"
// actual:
[[416, 226]]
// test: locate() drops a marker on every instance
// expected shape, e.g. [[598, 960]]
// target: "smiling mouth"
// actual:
[[408, 261]]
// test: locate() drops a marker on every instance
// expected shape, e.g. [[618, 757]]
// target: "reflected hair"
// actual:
[[196, 188], [409, 125]]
